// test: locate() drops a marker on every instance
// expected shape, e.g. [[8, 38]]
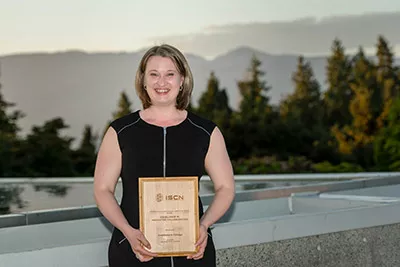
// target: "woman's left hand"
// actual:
[[201, 243]]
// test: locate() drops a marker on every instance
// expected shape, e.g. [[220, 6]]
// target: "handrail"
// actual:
[[75, 213], [238, 178]]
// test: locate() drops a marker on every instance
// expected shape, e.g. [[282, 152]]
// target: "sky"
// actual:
[[128, 25]]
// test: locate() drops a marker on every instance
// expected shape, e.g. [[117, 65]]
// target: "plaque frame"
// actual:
[[192, 182]]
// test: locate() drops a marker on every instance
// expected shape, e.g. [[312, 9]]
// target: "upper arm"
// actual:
[[217, 162], [108, 163]]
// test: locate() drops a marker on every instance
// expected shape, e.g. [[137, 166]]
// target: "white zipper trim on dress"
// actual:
[[165, 166], [165, 153]]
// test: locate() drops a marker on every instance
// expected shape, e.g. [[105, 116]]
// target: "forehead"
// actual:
[[160, 63]]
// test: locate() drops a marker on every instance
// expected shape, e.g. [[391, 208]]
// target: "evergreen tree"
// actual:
[[302, 113], [47, 153], [250, 134], [357, 138], [214, 104], [85, 155], [387, 143], [255, 102], [208, 100], [124, 106], [338, 95], [304, 105], [9, 142], [386, 77]]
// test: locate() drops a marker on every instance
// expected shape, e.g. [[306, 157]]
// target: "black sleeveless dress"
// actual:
[[153, 151]]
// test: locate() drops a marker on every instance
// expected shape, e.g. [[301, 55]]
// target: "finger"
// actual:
[[145, 252], [142, 257], [199, 253], [145, 258], [199, 257], [201, 239], [144, 241]]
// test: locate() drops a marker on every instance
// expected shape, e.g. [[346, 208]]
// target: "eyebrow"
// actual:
[[167, 70]]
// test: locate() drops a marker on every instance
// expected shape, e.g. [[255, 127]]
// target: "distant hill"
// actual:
[[84, 88]]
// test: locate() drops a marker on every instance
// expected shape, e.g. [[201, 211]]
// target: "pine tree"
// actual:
[[386, 77], [250, 133], [304, 105], [387, 143], [302, 113], [85, 155], [357, 138], [255, 102], [214, 104], [47, 153], [208, 100], [338, 95], [124, 106], [9, 142]]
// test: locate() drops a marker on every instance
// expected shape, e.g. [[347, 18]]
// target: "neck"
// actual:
[[163, 113]]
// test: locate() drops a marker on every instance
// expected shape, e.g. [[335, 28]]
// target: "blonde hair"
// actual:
[[181, 64]]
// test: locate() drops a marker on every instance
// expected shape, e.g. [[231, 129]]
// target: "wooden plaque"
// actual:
[[169, 214]]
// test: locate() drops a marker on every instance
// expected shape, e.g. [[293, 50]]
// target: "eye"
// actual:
[[153, 74], [171, 74]]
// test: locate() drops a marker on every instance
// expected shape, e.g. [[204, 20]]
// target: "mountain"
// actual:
[[84, 88]]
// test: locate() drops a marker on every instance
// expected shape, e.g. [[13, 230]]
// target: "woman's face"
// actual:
[[162, 81]]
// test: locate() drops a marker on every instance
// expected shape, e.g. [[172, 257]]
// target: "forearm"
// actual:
[[222, 200], [109, 207]]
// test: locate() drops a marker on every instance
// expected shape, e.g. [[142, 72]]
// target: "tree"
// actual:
[[9, 142], [387, 143], [249, 134], [356, 139], [47, 153], [208, 100], [85, 156], [304, 105], [255, 102], [124, 106], [337, 96], [214, 104], [388, 83], [302, 113]]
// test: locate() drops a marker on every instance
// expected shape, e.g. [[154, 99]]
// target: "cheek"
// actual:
[[178, 80], [150, 80]]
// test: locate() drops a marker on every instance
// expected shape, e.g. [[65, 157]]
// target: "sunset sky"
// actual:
[[126, 25]]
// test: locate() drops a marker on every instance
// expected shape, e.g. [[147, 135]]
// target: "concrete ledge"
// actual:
[[368, 247], [236, 234], [89, 254], [59, 243]]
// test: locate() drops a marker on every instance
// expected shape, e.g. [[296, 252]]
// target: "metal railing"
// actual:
[[85, 212], [238, 178]]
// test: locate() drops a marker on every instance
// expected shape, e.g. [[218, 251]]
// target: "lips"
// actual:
[[162, 90]]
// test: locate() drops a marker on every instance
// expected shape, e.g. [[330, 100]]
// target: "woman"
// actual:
[[161, 140]]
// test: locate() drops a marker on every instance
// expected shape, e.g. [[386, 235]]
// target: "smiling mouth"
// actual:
[[162, 91]]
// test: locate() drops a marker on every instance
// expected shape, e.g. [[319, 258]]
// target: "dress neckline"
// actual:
[[162, 127]]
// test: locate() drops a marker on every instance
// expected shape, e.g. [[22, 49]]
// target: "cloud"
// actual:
[[302, 36]]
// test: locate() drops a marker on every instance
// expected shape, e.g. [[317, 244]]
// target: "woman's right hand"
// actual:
[[138, 243]]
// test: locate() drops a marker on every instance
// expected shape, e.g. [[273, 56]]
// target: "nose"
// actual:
[[161, 80]]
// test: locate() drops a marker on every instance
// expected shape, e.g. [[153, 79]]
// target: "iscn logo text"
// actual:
[[174, 197]]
